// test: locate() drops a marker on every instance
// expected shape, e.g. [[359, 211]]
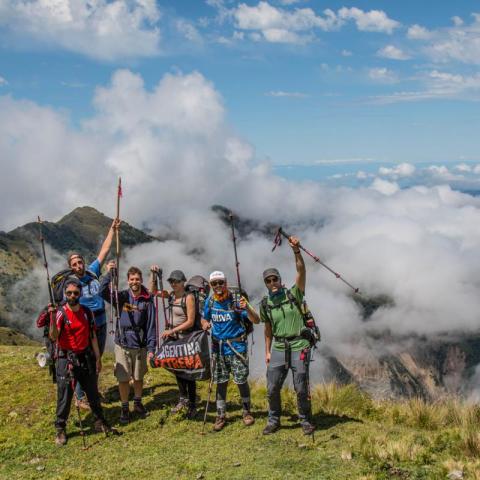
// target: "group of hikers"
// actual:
[[76, 327]]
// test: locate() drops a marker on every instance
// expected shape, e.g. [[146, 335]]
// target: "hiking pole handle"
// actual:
[[234, 240], [281, 232], [159, 275]]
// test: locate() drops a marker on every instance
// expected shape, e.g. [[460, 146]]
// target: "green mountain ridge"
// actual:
[[82, 230]]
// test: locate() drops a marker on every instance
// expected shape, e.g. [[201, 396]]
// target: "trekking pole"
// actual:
[[237, 267], [210, 385], [160, 282], [49, 282], [237, 263], [157, 323], [113, 299], [117, 231], [73, 384], [278, 241], [45, 262]]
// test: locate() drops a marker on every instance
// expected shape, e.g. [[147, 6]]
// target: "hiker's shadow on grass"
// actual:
[[324, 421], [112, 395], [163, 398]]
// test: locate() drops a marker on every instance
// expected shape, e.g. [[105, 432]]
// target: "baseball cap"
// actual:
[[269, 272], [177, 275], [217, 275]]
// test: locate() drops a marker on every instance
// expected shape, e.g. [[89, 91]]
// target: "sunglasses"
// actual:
[[173, 281], [271, 280], [75, 293], [217, 283]]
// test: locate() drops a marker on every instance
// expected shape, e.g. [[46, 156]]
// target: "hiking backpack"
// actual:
[[310, 331], [58, 282], [199, 287]]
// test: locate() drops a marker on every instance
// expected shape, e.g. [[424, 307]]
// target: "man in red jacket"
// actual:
[[78, 358]]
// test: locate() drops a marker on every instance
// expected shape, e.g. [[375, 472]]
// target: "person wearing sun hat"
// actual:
[[225, 318]]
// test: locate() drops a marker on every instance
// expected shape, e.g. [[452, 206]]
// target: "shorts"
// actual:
[[130, 363], [230, 364]]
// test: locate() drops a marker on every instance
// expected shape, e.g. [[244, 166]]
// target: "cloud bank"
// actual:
[[101, 29], [178, 155]]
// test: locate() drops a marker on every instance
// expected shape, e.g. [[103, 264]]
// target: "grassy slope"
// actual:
[[355, 438]]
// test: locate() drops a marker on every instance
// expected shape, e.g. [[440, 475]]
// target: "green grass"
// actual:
[[356, 438]]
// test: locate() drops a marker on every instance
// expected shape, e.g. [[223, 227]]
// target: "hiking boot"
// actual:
[[60, 437], [191, 412], [248, 419], [82, 403], [181, 405], [124, 416], [102, 426], [271, 428], [308, 428], [140, 410], [220, 422]]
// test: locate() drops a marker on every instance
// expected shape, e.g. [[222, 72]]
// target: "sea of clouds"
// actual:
[[178, 155]]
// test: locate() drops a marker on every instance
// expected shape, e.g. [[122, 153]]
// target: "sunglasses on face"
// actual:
[[74, 293], [271, 280], [173, 281], [217, 283]]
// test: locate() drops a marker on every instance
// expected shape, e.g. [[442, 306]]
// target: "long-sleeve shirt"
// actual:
[[136, 325]]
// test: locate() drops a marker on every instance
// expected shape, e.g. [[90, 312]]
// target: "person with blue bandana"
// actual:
[[90, 298], [225, 316]]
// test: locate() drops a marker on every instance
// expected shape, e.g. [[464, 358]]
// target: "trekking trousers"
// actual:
[[82, 373], [277, 372]]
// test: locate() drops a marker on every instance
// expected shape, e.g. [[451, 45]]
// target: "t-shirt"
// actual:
[[90, 294], [74, 329], [286, 320], [226, 323]]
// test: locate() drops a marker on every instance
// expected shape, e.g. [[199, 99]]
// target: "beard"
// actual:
[[73, 301]]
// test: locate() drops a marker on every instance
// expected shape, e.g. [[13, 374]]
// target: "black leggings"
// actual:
[[188, 389]]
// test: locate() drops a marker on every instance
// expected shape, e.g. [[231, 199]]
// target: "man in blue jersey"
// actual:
[[226, 317], [90, 298]]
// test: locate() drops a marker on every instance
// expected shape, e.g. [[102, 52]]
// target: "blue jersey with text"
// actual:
[[90, 294], [226, 323]]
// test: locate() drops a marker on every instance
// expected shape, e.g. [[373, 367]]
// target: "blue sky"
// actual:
[[367, 81]]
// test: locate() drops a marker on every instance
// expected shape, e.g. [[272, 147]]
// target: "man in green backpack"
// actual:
[[287, 344]]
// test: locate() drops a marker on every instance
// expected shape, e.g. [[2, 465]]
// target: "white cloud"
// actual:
[[398, 171], [439, 85], [281, 25], [371, 21], [346, 53], [457, 21], [463, 167], [461, 42], [188, 31], [106, 30], [382, 75], [393, 53], [280, 93], [3, 82], [417, 32], [290, 2], [384, 187]]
